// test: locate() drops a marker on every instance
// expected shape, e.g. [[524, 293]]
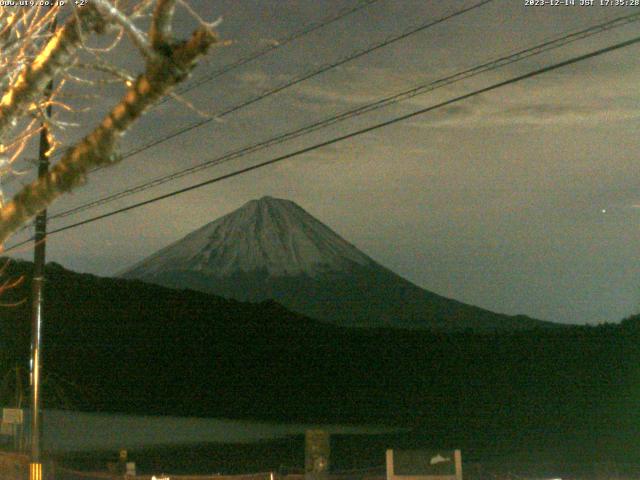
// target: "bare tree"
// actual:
[[31, 57]]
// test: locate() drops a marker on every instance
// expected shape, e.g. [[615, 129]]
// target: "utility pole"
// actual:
[[37, 287]]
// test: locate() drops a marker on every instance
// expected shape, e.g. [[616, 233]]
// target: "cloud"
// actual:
[[541, 114], [255, 78], [269, 42], [541, 102], [355, 85], [564, 97]]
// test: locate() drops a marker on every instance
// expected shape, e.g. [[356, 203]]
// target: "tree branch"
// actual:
[[139, 39], [54, 57], [160, 31], [97, 148]]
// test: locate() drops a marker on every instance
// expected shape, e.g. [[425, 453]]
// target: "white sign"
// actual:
[[12, 415]]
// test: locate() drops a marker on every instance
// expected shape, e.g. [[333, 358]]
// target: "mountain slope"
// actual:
[[271, 236], [127, 346], [273, 249]]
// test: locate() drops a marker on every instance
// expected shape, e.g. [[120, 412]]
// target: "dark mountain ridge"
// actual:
[[134, 347]]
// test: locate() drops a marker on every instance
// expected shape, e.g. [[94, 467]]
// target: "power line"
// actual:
[[388, 41], [345, 12], [296, 80], [305, 76], [279, 43], [384, 102], [347, 136]]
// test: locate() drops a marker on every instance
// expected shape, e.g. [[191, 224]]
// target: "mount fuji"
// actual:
[[273, 249]]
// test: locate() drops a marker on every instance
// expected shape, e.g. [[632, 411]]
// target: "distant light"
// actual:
[[604, 210]]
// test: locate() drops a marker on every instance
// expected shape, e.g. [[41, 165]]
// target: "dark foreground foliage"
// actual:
[[137, 348]]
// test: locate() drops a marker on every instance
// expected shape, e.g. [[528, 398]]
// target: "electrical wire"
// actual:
[[384, 102], [278, 44], [347, 136], [345, 12], [301, 78]]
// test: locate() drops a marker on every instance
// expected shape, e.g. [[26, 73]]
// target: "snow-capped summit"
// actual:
[[268, 235], [273, 249]]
